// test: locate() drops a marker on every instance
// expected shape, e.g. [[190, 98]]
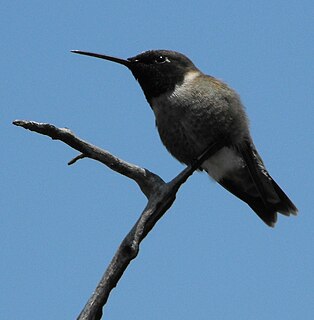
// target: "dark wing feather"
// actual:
[[253, 184]]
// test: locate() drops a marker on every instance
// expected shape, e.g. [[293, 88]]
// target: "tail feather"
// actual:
[[285, 206], [253, 184], [265, 212]]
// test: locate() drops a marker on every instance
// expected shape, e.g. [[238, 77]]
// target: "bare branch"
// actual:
[[146, 180], [160, 196]]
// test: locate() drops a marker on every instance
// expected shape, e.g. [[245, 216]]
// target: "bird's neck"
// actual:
[[173, 102]]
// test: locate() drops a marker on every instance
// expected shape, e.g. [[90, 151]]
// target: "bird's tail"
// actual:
[[253, 184]]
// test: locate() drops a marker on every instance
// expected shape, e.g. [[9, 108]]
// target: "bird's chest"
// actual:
[[181, 127]]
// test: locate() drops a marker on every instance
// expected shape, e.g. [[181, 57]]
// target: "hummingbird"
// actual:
[[194, 110]]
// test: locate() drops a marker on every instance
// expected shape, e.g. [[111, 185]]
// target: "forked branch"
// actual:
[[160, 195]]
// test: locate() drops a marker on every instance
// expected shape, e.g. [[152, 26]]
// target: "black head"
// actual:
[[157, 71]]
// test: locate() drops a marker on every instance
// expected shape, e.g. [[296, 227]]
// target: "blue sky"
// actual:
[[210, 257]]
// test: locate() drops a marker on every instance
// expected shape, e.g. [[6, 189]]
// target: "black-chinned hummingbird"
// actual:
[[193, 111]]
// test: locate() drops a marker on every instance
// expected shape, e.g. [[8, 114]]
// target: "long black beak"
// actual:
[[126, 63]]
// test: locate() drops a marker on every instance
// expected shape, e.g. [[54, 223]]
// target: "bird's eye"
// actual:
[[161, 59]]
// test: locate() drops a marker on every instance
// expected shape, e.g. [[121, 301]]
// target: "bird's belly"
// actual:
[[180, 142], [222, 163]]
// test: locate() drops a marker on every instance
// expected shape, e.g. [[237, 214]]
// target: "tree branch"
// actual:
[[146, 180], [160, 194]]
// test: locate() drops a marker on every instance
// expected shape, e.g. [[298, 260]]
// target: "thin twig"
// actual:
[[79, 157]]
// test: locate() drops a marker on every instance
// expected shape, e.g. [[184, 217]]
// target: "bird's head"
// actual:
[[157, 71]]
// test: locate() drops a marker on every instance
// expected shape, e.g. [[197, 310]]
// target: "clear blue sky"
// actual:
[[210, 257]]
